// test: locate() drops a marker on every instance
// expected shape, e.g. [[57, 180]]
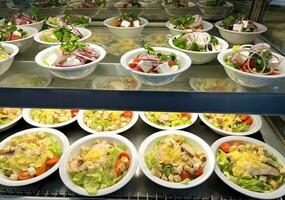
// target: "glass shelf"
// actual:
[[202, 88]]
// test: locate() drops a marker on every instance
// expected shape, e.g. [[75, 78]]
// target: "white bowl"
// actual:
[[24, 43], [84, 31], [235, 37], [201, 57], [36, 25], [206, 27], [6, 63], [193, 119], [11, 123], [200, 143], [122, 32], [60, 16], [249, 79], [254, 127], [133, 121], [70, 73], [268, 195], [27, 117], [75, 149], [57, 134], [156, 79]]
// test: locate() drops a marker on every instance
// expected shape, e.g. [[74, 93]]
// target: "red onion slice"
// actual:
[[77, 32]]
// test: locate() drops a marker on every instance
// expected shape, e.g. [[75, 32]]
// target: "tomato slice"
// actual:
[[52, 161], [198, 172], [24, 176], [133, 65], [41, 170], [171, 62], [128, 114], [225, 147], [248, 121], [244, 117], [74, 112], [117, 171], [188, 115], [15, 37], [184, 174], [124, 154]]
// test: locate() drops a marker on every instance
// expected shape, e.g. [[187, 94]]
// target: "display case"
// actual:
[[203, 88]]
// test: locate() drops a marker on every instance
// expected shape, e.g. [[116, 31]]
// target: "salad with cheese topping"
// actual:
[[126, 20], [175, 158], [240, 23], [154, 62], [230, 122], [250, 166], [197, 41], [29, 155], [103, 121], [9, 114], [52, 116], [169, 119], [99, 166], [10, 32]]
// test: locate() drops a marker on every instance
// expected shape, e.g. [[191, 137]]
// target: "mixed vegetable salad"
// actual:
[[68, 19], [31, 17], [187, 23], [3, 53], [230, 122], [255, 59], [73, 53], [8, 114], [175, 159], [155, 62], [197, 41], [102, 121], [52, 116], [240, 23], [10, 32], [126, 20], [99, 166], [169, 119], [61, 34], [29, 155], [250, 166]]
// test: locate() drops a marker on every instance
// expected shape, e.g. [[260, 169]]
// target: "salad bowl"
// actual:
[[59, 136], [196, 141], [156, 79], [59, 21], [27, 115], [10, 49], [86, 33], [71, 73], [253, 128], [10, 124], [37, 25], [235, 37], [174, 31], [26, 42], [125, 32], [193, 119], [201, 57], [75, 149], [83, 125], [250, 79], [251, 183]]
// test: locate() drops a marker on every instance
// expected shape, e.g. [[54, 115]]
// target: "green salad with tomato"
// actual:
[[176, 159]]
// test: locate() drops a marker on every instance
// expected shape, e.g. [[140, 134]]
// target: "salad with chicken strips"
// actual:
[[103, 121], [52, 116], [169, 119], [29, 155], [3, 53], [8, 114], [99, 166], [10, 32], [155, 62], [126, 20], [230, 122], [240, 23], [73, 53], [197, 41], [61, 34], [250, 166], [187, 23], [175, 159], [31, 17], [68, 19], [255, 59]]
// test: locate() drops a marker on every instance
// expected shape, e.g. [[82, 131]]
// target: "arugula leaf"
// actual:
[[36, 14], [72, 45], [230, 20], [129, 16], [159, 54], [182, 44], [63, 34], [166, 170], [214, 41], [182, 21]]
